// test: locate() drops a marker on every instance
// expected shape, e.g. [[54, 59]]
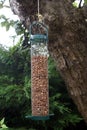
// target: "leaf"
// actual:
[[75, 4], [2, 121], [7, 27], [1, 6], [4, 126], [3, 17], [6, 24], [85, 1]]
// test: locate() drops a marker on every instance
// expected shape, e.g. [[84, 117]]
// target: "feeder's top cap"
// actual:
[[38, 36]]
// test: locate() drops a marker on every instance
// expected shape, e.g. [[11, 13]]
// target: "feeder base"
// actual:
[[40, 117]]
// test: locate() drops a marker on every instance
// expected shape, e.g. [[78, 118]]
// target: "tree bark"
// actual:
[[67, 41]]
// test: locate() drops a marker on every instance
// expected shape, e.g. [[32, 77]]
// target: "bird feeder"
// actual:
[[39, 71]]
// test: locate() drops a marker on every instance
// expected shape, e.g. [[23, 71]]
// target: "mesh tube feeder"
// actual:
[[39, 71]]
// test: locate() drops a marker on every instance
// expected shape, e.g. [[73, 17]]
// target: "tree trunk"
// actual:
[[67, 41]]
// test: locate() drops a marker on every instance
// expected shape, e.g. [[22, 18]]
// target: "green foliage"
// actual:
[[7, 23], [1, 3], [85, 1], [18, 28], [75, 4], [2, 124]]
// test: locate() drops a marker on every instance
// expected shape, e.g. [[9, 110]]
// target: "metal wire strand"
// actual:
[[38, 7]]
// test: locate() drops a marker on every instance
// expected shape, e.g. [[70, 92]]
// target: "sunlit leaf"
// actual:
[[2, 121], [4, 126], [75, 4]]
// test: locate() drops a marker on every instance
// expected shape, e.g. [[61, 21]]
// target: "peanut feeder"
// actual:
[[39, 71]]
